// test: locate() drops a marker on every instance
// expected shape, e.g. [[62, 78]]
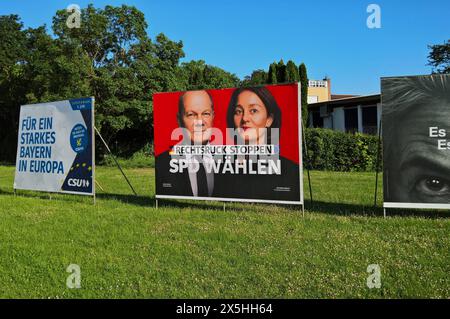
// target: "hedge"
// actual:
[[328, 150], [338, 151]]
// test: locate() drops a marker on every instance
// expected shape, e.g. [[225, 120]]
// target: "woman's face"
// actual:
[[251, 117]]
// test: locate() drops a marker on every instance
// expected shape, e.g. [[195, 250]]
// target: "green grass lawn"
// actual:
[[127, 248]]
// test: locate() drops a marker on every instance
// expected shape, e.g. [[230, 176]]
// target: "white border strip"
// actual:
[[73, 193], [415, 205], [244, 200], [52, 192], [300, 140]]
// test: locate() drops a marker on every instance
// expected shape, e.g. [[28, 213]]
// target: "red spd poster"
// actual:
[[240, 144]]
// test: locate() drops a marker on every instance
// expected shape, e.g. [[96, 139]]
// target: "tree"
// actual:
[[258, 77], [12, 57], [34, 68], [272, 74], [200, 75], [304, 93], [281, 72], [13, 42], [292, 74], [215, 77], [110, 57], [439, 57], [126, 68]]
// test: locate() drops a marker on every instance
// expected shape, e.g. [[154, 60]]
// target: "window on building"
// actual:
[[317, 120], [351, 120], [313, 99], [317, 84], [369, 119]]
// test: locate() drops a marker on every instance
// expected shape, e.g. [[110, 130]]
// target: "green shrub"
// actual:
[[338, 151], [328, 150], [141, 159]]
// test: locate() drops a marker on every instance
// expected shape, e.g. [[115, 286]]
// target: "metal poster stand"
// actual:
[[93, 147], [376, 170], [114, 158], [307, 170]]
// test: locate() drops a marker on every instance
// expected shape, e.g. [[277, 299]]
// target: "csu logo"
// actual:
[[75, 182]]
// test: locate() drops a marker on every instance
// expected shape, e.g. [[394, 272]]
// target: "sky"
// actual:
[[330, 37]]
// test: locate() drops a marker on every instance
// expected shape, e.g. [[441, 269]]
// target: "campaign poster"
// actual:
[[55, 150], [237, 144], [416, 141]]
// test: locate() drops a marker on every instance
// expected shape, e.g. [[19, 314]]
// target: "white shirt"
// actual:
[[193, 162]]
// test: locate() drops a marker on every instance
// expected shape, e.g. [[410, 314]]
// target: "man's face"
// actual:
[[420, 171], [198, 116]]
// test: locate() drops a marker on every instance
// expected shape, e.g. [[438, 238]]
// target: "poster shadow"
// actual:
[[6, 193], [150, 201], [138, 200], [328, 208], [43, 195], [346, 209], [215, 205]]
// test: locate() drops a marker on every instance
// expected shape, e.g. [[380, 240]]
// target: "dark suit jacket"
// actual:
[[168, 183], [175, 184], [284, 187]]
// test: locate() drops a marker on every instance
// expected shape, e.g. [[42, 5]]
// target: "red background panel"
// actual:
[[165, 108]]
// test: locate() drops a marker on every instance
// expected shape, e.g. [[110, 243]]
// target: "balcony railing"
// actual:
[[317, 84]]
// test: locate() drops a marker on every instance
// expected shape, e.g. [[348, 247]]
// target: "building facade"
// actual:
[[349, 114], [319, 91]]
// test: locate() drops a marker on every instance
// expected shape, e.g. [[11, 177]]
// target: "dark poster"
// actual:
[[416, 141]]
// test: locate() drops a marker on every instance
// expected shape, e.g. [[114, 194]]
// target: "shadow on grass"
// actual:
[[46, 195], [336, 209], [138, 200], [150, 201], [343, 209]]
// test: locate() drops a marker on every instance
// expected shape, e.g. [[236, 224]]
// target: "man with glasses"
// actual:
[[195, 116]]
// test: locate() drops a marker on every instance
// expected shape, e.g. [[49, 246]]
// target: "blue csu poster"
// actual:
[[55, 149]]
